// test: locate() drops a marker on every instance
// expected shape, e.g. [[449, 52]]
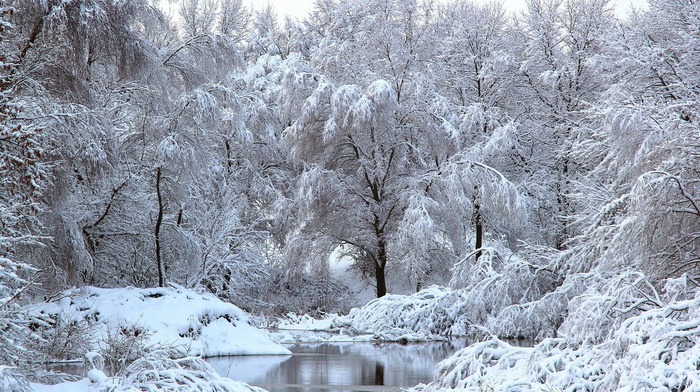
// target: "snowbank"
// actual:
[[194, 324], [294, 328]]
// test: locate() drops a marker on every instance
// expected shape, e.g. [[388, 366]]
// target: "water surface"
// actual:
[[326, 367]]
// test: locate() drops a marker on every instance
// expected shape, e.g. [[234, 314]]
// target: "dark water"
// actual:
[[325, 367]]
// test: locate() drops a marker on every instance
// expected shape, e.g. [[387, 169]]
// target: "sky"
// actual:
[[299, 8]]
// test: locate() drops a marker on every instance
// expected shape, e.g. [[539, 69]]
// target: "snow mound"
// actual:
[[194, 324]]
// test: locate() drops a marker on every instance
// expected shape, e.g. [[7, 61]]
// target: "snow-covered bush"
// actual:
[[10, 381], [518, 283], [432, 311], [539, 317], [159, 372], [307, 294], [123, 344], [13, 321], [304, 322], [498, 293], [65, 337], [469, 367], [642, 343]]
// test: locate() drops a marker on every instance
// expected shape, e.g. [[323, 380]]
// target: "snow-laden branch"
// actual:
[[681, 187]]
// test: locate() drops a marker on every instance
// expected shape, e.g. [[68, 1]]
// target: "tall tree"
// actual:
[[25, 176], [558, 77], [641, 149], [358, 169]]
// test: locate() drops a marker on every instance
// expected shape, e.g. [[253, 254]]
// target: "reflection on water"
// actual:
[[338, 367], [333, 366]]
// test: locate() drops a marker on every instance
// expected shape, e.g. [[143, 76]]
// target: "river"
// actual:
[[335, 367]]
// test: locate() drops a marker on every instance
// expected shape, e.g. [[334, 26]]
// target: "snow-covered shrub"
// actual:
[[519, 283], [501, 294], [308, 294], [304, 322], [10, 381], [432, 311], [642, 343], [123, 344], [159, 372], [681, 288], [246, 283], [16, 323], [470, 366], [657, 349], [598, 312], [65, 338], [93, 360], [539, 317], [466, 274]]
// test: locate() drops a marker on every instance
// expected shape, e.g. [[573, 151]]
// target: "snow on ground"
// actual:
[[300, 336], [192, 323]]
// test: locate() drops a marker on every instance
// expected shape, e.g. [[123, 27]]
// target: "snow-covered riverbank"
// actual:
[[190, 322], [163, 331]]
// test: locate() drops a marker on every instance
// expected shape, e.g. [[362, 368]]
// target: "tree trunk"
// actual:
[[381, 280], [379, 268], [479, 229], [159, 223], [564, 209]]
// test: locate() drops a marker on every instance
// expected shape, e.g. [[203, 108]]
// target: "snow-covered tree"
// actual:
[[146, 134], [408, 147], [559, 76], [25, 178], [473, 65], [641, 192], [358, 169]]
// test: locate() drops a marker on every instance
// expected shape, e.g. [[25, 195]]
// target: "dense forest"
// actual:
[[535, 166]]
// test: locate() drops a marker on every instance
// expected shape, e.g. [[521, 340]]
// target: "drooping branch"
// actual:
[[197, 39]]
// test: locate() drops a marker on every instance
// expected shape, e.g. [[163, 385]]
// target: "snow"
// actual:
[[155, 372], [83, 385], [340, 269], [430, 314], [307, 322], [192, 323], [642, 343], [97, 376]]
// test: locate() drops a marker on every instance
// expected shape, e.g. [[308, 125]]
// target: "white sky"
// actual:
[[299, 8]]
